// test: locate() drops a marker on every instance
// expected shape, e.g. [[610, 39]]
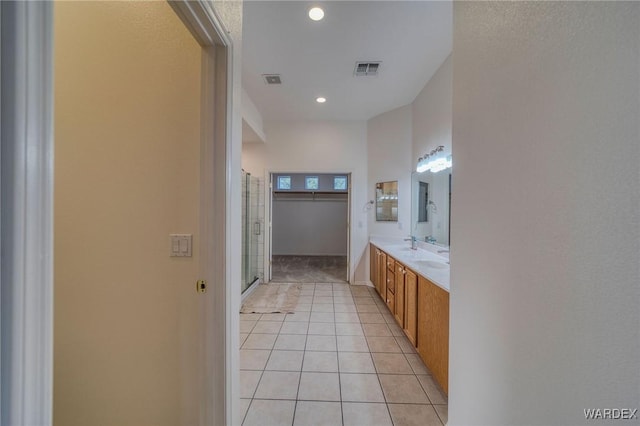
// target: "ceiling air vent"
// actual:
[[366, 69], [272, 78]]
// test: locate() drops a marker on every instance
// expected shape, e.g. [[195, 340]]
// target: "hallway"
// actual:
[[340, 359]]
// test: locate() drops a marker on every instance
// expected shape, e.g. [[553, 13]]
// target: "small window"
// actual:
[[340, 183], [284, 182], [311, 182]]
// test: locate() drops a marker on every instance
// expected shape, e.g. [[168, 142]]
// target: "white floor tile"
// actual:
[[292, 342], [253, 359], [278, 385], [322, 328], [285, 360], [294, 328], [319, 387], [365, 413], [314, 413], [320, 362], [360, 388], [321, 343], [267, 412]]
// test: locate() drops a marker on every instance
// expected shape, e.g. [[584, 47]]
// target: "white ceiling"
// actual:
[[411, 38]]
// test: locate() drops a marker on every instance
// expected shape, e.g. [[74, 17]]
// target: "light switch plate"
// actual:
[[180, 245]]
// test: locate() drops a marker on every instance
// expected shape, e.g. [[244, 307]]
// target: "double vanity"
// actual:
[[414, 283], [413, 278]]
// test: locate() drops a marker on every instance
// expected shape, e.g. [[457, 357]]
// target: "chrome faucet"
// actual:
[[414, 242], [430, 239]]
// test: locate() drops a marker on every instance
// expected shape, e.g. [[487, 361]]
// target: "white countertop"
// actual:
[[418, 260]]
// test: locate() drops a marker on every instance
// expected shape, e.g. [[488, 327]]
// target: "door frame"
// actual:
[[26, 231], [26, 217], [218, 392], [268, 252]]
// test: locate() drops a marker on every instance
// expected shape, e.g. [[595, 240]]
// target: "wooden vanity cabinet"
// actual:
[[411, 306], [419, 306], [433, 330]]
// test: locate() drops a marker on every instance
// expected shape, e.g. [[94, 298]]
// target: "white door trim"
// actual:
[[219, 392], [27, 213], [350, 280]]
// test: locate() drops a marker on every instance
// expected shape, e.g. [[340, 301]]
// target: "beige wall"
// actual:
[[127, 81]]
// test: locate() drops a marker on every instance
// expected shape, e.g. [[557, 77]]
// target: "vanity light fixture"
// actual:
[[422, 165], [321, 100], [434, 161], [316, 14], [441, 163]]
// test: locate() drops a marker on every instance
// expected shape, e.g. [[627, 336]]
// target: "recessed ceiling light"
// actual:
[[316, 13], [321, 100]]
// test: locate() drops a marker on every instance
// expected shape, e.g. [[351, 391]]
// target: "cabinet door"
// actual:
[[433, 330], [411, 306], [373, 268], [399, 294], [382, 275]]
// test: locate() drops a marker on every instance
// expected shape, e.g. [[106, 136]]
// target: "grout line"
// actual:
[[338, 361], [438, 414], [348, 402], [304, 351], [246, 413]]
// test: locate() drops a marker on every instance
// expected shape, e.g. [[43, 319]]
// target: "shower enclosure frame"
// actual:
[[252, 230]]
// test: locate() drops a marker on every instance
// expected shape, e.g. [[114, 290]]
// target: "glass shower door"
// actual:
[[251, 230]]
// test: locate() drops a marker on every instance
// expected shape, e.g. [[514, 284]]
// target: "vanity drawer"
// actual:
[[391, 263], [391, 301], [391, 281]]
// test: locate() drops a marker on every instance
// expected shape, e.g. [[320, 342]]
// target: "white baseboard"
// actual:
[[367, 283]]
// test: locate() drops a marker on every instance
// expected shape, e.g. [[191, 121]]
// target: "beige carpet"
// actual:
[[272, 298]]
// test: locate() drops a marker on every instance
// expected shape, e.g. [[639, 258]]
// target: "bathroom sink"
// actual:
[[432, 264]]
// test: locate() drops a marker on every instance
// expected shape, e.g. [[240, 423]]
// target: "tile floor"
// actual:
[[340, 359]]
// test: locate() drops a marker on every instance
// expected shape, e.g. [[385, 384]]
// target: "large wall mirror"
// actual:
[[387, 201], [430, 206]]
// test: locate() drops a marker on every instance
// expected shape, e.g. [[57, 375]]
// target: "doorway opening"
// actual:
[[309, 238]]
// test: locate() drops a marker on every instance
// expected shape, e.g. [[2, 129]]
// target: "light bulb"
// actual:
[[316, 14], [422, 165]]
